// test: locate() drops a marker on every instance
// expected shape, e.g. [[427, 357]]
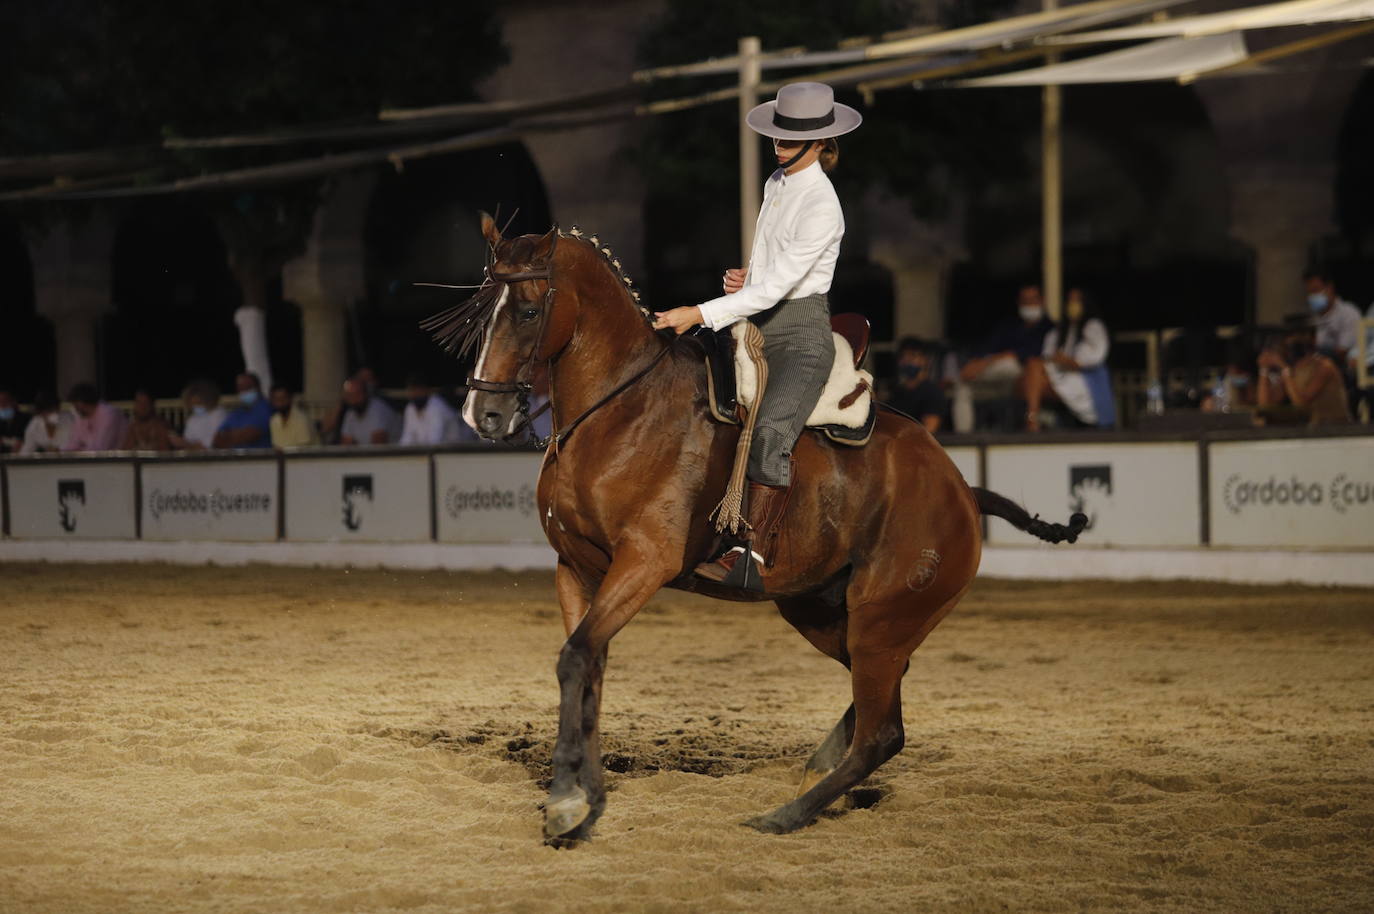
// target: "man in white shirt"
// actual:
[[428, 418], [368, 419], [203, 418], [1337, 321]]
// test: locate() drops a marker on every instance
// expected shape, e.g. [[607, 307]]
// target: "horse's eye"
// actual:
[[529, 314]]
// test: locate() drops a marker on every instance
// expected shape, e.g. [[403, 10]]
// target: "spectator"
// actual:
[[98, 427], [1337, 321], [290, 426], [248, 425], [368, 419], [1296, 373], [428, 418], [331, 423], [998, 366], [204, 418], [1237, 381], [13, 423], [1073, 368], [916, 393], [48, 429], [147, 430]]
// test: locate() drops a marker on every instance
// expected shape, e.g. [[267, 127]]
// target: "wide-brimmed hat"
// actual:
[[803, 111]]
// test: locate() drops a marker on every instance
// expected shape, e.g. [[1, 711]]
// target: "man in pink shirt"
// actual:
[[98, 427]]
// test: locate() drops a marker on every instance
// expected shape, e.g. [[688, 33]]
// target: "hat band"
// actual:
[[803, 123]]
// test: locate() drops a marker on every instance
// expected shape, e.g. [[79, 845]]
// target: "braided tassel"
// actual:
[[729, 514]]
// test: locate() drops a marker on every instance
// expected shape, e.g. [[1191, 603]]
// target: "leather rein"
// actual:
[[522, 386]]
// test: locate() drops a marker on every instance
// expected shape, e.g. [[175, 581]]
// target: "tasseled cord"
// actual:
[[729, 514]]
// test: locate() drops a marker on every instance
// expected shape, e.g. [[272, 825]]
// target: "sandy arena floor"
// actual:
[[285, 740]]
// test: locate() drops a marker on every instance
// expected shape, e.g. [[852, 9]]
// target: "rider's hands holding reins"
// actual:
[[679, 320]]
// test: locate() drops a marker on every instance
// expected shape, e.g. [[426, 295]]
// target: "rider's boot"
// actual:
[[742, 566]]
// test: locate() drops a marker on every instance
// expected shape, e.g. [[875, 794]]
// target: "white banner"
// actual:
[[1306, 492], [76, 500], [488, 498], [225, 500], [966, 459], [345, 499], [1133, 494]]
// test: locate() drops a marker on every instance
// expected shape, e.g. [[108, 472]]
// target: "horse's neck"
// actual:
[[610, 343]]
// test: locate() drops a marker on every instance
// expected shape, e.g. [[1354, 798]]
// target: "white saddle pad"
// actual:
[[844, 381]]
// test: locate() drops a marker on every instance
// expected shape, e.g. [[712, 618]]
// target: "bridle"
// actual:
[[522, 386]]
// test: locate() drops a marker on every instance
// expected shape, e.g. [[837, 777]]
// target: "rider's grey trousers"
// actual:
[[800, 351]]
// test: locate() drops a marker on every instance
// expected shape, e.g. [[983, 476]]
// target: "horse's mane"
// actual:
[[459, 330]]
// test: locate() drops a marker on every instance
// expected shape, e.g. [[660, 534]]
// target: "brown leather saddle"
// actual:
[[719, 350]]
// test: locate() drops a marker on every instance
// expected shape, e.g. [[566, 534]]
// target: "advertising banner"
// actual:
[[1133, 494], [1311, 492], [358, 499], [226, 500], [487, 498], [72, 500], [966, 459]]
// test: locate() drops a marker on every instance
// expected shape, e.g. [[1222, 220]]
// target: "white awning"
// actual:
[[1172, 58], [1272, 15]]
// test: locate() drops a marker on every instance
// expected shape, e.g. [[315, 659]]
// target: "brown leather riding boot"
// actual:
[[766, 505]]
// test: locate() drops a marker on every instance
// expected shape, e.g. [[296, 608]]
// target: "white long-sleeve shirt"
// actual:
[[437, 423], [796, 244]]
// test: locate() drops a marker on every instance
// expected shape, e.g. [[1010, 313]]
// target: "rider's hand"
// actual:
[[734, 280], [679, 320]]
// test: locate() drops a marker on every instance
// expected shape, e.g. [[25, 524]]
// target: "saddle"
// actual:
[[845, 413]]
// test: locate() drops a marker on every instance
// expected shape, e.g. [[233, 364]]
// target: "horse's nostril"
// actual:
[[490, 423]]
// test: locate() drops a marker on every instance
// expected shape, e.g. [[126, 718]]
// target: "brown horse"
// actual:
[[878, 544]]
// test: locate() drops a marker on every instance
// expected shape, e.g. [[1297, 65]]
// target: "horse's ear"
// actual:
[[489, 229], [544, 249]]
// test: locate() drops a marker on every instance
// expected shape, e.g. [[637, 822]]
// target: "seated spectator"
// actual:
[[368, 419], [1237, 380], [1294, 372], [13, 423], [916, 392], [1073, 368], [147, 430], [48, 429], [204, 416], [331, 423], [1337, 321], [290, 426], [248, 425], [98, 427], [997, 369], [428, 417]]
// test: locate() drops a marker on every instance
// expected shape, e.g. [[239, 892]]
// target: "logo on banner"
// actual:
[[1342, 493], [1090, 490], [458, 500], [216, 504], [357, 500], [71, 499]]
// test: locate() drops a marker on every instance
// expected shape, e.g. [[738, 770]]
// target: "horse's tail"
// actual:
[[991, 503]]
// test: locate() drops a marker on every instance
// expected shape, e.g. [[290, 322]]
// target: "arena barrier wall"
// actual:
[[1239, 506]]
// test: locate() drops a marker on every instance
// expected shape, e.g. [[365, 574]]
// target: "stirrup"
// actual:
[[741, 569]]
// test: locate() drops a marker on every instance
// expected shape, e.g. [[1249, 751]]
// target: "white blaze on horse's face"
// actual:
[[471, 406]]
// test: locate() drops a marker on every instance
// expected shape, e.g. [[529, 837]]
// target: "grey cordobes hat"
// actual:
[[803, 111]]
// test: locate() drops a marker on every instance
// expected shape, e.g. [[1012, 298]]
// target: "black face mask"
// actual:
[[359, 408], [282, 411], [909, 372], [420, 402], [1299, 350]]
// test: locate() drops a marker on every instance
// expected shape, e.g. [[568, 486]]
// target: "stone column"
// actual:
[[919, 255], [327, 280], [71, 285], [1282, 214]]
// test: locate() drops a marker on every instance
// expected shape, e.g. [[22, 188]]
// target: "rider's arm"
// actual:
[[815, 230]]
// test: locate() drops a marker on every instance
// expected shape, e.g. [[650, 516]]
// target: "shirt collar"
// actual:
[[804, 178]]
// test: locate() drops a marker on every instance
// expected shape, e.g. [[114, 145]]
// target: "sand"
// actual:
[[286, 740]]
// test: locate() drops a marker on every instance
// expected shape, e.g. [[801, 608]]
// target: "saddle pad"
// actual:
[[846, 401]]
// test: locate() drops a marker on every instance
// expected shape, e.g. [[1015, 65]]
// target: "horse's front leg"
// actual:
[[577, 795]]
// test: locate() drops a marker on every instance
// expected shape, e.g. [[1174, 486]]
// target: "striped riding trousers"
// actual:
[[800, 351]]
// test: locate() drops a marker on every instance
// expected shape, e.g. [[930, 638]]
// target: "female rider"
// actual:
[[783, 290]]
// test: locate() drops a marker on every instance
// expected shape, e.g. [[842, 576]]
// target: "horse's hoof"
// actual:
[[769, 825], [562, 816]]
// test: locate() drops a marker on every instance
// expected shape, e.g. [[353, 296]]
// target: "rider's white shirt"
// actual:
[[796, 244]]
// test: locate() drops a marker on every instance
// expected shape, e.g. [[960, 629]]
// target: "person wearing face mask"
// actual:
[[1072, 368], [428, 418], [1337, 321], [13, 423], [1294, 372], [204, 416], [249, 424], [998, 364], [367, 419], [48, 429], [916, 394], [147, 430], [290, 426]]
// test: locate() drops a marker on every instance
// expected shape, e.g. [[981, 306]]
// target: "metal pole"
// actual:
[[749, 189], [1052, 264]]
